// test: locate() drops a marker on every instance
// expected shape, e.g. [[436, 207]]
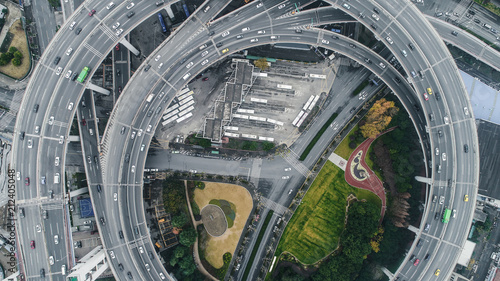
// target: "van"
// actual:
[[186, 76], [72, 25], [487, 26], [57, 178]]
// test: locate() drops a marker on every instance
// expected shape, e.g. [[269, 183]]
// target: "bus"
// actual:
[[163, 27], [446, 215], [83, 74]]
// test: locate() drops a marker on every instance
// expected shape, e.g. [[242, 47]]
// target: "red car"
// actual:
[[92, 13], [27, 181], [120, 89], [84, 122], [205, 79], [416, 262], [426, 96], [32, 244], [117, 47]]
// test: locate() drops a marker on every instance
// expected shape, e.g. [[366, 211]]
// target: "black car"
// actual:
[[78, 30], [419, 243], [466, 148], [417, 108], [211, 33], [21, 136], [129, 275], [103, 222], [120, 267], [373, 26], [42, 273], [120, 233], [127, 157], [397, 80], [56, 60], [436, 216], [99, 189], [147, 68], [150, 112], [454, 33], [352, 110], [130, 14], [35, 108], [376, 10], [438, 96], [411, 46], [412, 258], [73, 76], [219, 44], [426, 257]]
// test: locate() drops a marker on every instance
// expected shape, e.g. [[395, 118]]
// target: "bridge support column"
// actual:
[[388, 273], [413, 229], [424, 179], [99, 89], [129, 46]]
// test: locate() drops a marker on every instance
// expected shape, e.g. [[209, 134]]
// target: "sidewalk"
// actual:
[[359, 175]]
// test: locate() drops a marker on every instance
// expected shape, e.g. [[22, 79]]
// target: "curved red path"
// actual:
[[369, 181]]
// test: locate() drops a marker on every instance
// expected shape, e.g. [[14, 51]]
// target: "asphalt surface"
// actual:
[[130, 175]]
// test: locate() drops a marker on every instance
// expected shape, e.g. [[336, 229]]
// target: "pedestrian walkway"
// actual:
[[292, 159], [337, 160], [361, 176], [277, 208]]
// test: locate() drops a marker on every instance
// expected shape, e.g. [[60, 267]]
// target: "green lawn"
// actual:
[[315, 228], [343, 150]]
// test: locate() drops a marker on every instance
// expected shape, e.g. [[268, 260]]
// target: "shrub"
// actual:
[[16, 62]]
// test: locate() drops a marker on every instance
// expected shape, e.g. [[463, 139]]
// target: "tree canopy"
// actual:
[[378, 117], [261, 63], [179, 220], [188, 237]]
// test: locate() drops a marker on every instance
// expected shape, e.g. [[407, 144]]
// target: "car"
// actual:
[[454, 213], [261, 32], [119, 89], [69, 51], [437, 151], [32, 244], [84, 122], [426, 97], [56, 239], [375, 17], [110, 5], [78, 31], [411, 46], [161, 274], [389, 40], [68, 74], [204, 79], [112, 254], [51, 260], [446, 120], [454, 33], [225, 50], [441, 200], [466, 198], [419, 243], [91, 13], [436, 216], [59, 70], [61, 139], [116, 25], [30, 143], [204, 53], [254, 40], [204, 62], [285, 177], [397, 80], [132, 169], [119, 31], [382, 65], [288, 169], [38, 228], [120, 267], [148, 268], [103, 221], [160, 65], [27, 181], [72, 26], [225, 33], [189, 65], [367, 60], [87, 222], [149, 128], [133, 135], [245, 29], [70, 106], [437, 272], [403, 52], [117, 47], [130, 6], [157, 58], [427, 227], [466, 111], [429, 91], [130, 14], [141, 250], [129, 274], [352, 46], [56, 162], [115, 196], [416, 262], [99, 188], [438, 14], [18, 176], [325, 41], [443, 156], [143, 146], [466, 148], [347, 6]]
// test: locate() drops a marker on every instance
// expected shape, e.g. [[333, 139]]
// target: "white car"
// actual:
[[375, 17], [115, 196], [149, 128], [139, 133], [30, 143], [51, 260], [437, 151], [37, 129], [59, 70], [288, 169], [87, 222], [130, 6], [119, 31], [161, 274], [347, 6], [56, 239], [110, 5], [143, 146], [132, 169], [204, 62], [189, 65], [245, 29], [226, 33], [261, 32], [69, 51], [112, 254], [466, 110], [116, 25], [281, 6], [454, 213], [61, 139], [160, 65], [38, 228], [389, 40], [325, 41], [204, 53], [56, 162], [18, 175], [141, 250], [285, 177], [157, 57], [446, 120], [133, 135], [290, 192], [68, 74], [51, 120], [254, 40], [443, 156], [70, 106]]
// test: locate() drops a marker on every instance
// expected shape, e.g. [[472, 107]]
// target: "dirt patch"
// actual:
[[383, 160], [18, 41], [215, 247]]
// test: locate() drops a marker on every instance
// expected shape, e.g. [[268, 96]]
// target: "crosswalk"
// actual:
[[292, 159], [93, 50], [277, 208]]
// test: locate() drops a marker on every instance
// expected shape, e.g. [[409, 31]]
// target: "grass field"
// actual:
[[315, 228], [241, 199], [343, 149]]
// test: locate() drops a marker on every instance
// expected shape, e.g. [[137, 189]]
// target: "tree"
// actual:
[[180, 220], [188, 237], [187, 265], [261, 63], [13, 50], [378, 117], [180, 251], [173, 261], [18, 55], [16, 62]]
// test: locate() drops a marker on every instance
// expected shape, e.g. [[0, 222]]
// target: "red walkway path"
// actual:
[[359, 175]]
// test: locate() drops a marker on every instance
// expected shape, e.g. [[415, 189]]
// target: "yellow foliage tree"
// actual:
[[261, 63], [378, 118]]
